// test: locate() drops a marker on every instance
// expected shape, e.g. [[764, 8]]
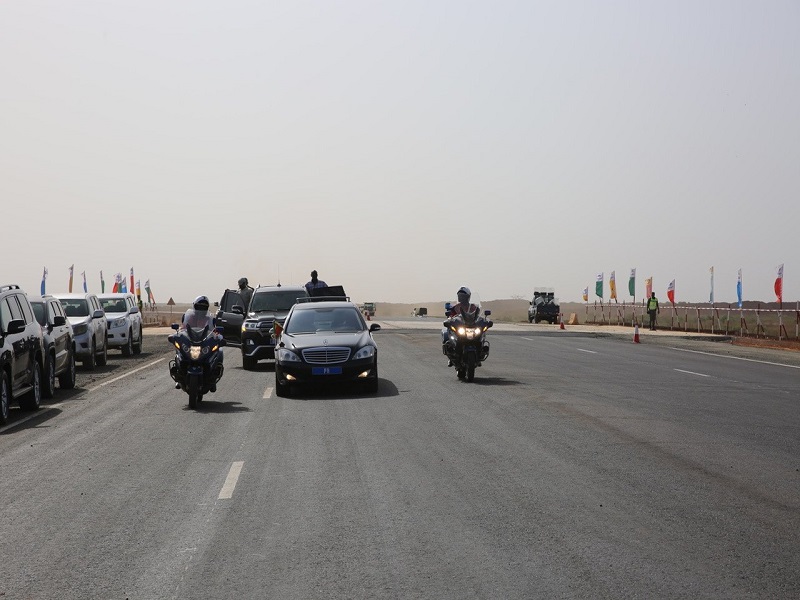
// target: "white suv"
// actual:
[[124, 322]]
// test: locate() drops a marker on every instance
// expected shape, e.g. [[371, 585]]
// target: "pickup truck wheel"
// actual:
[[67, 379], [5, 398], [33, 399], [127, 349], [137, 347], [49, 382], [102, 360], [91, 361]]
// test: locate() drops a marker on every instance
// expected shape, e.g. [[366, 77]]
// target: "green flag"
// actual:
[[632, 283], [598, 287]]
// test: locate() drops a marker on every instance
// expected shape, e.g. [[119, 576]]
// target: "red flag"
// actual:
[[779, 284], [671, 291]]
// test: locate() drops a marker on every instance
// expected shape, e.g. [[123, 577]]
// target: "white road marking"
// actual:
[[147, 366], [589, 351], [529, 339], [693, 373], [763, 362], [267, 393], [230, 482]]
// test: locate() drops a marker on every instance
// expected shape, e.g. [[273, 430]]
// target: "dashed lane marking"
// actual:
[[230, 482], [763, 362], [267, 393], [692, 373], [589, 351]]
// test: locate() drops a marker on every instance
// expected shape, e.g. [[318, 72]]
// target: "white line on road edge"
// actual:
[[147, 366], [267, 393], [230, 483], [529, 339], [763, 362], [693, 373], [589, 351]]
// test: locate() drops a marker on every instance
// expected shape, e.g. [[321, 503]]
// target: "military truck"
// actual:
[[544, 306]]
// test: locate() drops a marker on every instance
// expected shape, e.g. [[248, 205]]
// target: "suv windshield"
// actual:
[[75, 307], [113, 305], [273, 301], [40, 312]]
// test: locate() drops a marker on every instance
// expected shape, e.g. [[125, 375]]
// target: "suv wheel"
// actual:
[[102, 360], [5, 398], [49, 382], [33, 399], [248, 363], [127, 349], [137, 347], [67, 379]]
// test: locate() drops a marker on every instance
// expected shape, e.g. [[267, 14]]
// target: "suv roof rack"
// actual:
[[306, 299], [9, 286]]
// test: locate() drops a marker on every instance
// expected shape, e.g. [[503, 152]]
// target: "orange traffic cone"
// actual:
[[561, 315], [636, 333]]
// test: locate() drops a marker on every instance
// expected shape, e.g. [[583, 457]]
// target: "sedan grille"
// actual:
[[326, 356]]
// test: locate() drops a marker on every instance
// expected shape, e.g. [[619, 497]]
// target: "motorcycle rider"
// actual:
[[197, 317], [246, 293], [462, 307]]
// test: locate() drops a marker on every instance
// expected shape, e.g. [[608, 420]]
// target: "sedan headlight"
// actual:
[[285, 355], [365, 352], [118, 322], [80, 329]]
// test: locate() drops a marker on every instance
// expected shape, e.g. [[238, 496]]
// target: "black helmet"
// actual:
[[464, 292], [201, 303], [243, 282]]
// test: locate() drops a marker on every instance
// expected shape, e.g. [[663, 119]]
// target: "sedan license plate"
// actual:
[[326, 370]]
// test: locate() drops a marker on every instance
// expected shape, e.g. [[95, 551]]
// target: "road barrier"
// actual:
[[724, 320]]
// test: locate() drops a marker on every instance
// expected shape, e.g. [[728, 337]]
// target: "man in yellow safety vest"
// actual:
[[652, 310]]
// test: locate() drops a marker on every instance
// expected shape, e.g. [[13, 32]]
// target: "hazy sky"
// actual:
[[402, 149]]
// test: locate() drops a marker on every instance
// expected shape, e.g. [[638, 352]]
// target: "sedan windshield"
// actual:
[[325, 319], [75, 307], [273, 301]]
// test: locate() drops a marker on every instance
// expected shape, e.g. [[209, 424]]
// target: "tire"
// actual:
[[281, 389], [372, 384], [194, 391], [5, 397], [248, 363], [471, 367], [461, 373], [127, 349], [33, 399], [91, 362], [137, 347], [49, 380], [102, 360], [67, 379]]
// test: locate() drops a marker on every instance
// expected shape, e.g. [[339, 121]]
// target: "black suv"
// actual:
[[269, 304], [59, 344], [21, 352]]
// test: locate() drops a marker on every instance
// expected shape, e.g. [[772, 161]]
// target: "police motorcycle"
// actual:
[[198, 358], [464, 338]]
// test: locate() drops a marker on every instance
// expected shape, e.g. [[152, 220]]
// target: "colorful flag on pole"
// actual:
[[779, 284], [598, 286], [133, 287], [102, 284], [612, 284], [711, 295], [150, 297], [671, 291], [739, 288], [71, 269], [648, 286], [139, 290], [586, 294], [44, 278], [632, 283], [85, 287], [116, 288], [123, 286]]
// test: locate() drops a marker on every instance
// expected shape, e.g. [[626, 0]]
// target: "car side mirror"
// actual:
[[175, 326], [487, 312], [216, 304], [446, 323], [59, 321], [238, 310], [171, 338], [374, 327], [98, 314], [134, 310], [489, 324], [15, 326]]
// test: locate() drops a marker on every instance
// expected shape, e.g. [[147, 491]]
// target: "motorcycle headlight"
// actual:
[[461, 331], [365, 352], [478, 331], [118, 322], [285, 355], [194, 352]]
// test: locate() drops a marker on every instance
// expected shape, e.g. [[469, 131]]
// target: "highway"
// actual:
[[574, 466]]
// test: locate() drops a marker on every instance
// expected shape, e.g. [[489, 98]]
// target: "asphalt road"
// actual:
[[574, 466]]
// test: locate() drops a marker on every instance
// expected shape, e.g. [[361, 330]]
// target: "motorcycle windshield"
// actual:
[[197, 324]]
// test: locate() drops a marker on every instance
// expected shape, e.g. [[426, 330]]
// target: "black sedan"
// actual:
[[323, 343]]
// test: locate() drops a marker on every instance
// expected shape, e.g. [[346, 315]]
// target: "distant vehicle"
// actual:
[[543, 306], [269, 305], [324, 343], [59, 344], [124, 322], [368, 308], [21, 352], [90, 327]]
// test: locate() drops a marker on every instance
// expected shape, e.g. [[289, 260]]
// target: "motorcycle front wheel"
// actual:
[[471, 360], [194, 391]]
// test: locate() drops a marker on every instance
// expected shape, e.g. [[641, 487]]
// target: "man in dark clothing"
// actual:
[[652, 310], [315, 283], [246, 292]]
